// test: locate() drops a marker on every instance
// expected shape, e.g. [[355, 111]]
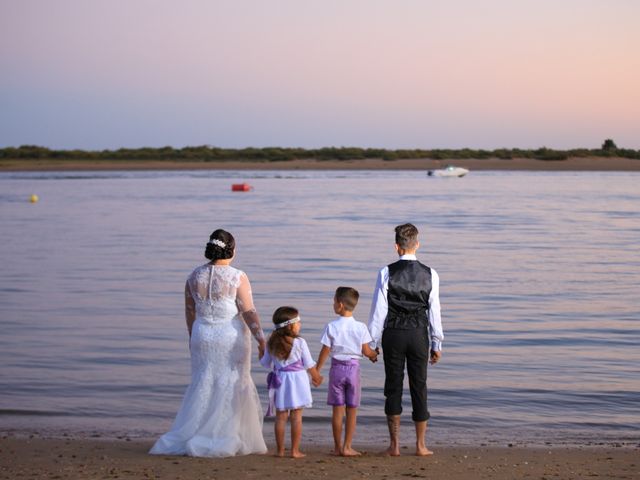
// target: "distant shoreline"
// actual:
[[605, 164]]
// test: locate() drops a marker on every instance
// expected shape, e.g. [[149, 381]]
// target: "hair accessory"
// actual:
[[288, 322], [217, 242]]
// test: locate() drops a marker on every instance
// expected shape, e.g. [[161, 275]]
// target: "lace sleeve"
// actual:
[[244, 300], [189, 307]]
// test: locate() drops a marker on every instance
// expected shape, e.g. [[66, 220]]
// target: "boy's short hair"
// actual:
[[407, 236], [348, 297]]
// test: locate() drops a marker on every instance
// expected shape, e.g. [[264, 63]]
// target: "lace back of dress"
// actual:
[[214, 290]]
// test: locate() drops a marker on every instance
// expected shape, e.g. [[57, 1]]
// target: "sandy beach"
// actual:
[[128, 459], [516, 164]]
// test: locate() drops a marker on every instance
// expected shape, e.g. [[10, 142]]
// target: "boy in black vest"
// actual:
[[405, 312]]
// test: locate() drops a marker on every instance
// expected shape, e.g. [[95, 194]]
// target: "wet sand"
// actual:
[[521, 164], [76, 458]]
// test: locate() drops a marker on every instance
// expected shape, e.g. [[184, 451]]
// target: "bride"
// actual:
[[220, 414]]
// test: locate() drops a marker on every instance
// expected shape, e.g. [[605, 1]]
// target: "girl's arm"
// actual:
[[316, 378], [309, 364], [265, 360]]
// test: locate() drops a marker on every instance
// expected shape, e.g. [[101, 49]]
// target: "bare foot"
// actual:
[[350, 452], [391, 452], [335, 452], [423, 452], [279, 454], [298, 455]]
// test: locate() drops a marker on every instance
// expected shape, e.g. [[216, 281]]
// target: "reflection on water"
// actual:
[[539, 277]]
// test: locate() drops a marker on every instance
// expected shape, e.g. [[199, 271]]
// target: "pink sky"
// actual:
[[395, 74]]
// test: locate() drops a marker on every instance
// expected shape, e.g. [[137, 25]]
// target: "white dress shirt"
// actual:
[[380, 307]]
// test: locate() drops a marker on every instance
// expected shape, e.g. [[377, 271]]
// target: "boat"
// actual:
[[448, 171]]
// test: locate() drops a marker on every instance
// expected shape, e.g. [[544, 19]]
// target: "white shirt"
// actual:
[[380, 307], [345, 337]]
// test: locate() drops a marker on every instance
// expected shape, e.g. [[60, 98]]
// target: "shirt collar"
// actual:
[[408, 256], [345, 318]]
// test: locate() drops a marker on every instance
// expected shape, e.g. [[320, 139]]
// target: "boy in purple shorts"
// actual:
[[346, 340]]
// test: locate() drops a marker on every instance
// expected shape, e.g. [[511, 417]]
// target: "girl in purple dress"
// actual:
[[289, 359]]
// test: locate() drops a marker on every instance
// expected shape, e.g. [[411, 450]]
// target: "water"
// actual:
[[539, 288]]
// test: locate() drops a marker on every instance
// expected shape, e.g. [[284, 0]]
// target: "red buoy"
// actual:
[[240, 187]]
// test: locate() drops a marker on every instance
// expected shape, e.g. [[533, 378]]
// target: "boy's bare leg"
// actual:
[[296, 433], [336, 425], [393, 422], [280, 425], [349, 431], [421, 432]]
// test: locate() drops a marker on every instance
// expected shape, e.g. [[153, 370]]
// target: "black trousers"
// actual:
[[410, 346]]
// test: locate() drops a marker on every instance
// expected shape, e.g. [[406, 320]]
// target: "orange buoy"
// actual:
[[240, 187]]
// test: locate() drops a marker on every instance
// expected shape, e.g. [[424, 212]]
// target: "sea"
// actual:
[[540, 294]]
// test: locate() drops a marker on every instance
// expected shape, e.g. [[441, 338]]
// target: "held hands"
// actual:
[[371, 354], [261, 347], [374, 355], [316, 378], [374, 359]]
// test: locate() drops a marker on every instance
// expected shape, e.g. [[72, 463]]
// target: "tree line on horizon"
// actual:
[[206, 153]]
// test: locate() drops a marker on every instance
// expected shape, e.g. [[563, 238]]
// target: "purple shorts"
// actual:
[[344, 383]]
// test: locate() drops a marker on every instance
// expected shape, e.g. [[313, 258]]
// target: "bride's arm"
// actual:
[[189, 308], [244, 299]]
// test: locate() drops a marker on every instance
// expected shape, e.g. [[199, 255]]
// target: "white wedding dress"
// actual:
[[220, 415]]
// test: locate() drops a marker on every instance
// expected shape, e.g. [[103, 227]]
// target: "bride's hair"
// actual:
[[221, 245], [281, 339]]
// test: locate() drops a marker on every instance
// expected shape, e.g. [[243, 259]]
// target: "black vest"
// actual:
[[408, 295]]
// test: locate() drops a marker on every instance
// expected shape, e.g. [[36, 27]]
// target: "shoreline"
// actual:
[[128, 459], [572, 164], [369, 436]]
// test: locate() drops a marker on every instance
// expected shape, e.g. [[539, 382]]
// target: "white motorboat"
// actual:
[[448, 171]]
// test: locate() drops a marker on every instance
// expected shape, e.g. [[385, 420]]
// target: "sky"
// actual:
[[106, 74]]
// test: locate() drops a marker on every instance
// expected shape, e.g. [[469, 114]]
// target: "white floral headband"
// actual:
[[288, 322], [217, 242]]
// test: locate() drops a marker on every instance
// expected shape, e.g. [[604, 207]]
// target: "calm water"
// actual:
[[540, 288]]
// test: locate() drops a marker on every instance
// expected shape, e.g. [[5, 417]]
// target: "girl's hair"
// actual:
[[221, 246], [281, 339]]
